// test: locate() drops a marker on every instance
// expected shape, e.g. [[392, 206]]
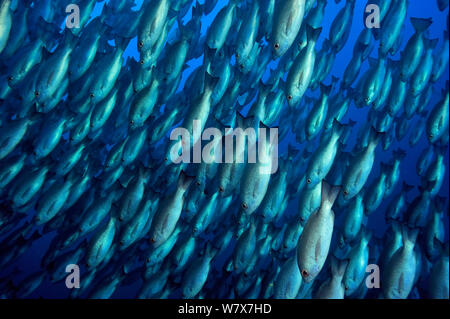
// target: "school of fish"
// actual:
[[85, 153]]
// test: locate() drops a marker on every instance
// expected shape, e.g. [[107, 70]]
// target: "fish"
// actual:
[[300, 74], [168, 214], [287, 20], [333, 288], [401, 267], [314, 242]]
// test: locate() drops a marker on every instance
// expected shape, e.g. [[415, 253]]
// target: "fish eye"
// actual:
[[289, 97], [237, 56], [221, 190], [346, 288], [345, 192], [302, 219], [91, 95], [165, 158], [10, 78], [148, 260], [121, 243], [431, 136], [308, 180], [305, 273], [276, 46], [141, 61], [195, 229], [140, 44], [131, 122], [36, 93], [153, 240], [198, 183], [244, 205]]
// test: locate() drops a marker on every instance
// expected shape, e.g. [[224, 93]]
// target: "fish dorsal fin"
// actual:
[[401, 282]]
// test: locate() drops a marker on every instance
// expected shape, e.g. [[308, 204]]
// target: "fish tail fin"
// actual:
[[427, 186], [442, 150], [338, 127], [351, 122], [70, 40], [406, 187], [399, 154], [338, 267], [445, 249], [394, 64], [210, 250], [409, 235], [376, 136], [198, 9], [329, 193], [421, 24], [242, 121], [396, 226], [186, 31], [229, 267], [372, 62], [325, 89], [292, 152], [439, 203], [430, 43], [423, 114], [384, 167], [184, 180], [264, 89], [312, 34], [209, 55], [210, 81], [366, 235]]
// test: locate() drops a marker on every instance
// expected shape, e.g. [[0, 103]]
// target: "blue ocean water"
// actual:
[[30, 261]]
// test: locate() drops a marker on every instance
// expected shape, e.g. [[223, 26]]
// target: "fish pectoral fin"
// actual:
[[358, 177], [289, 24], [318, 248], [300, 80], [401, 282]]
